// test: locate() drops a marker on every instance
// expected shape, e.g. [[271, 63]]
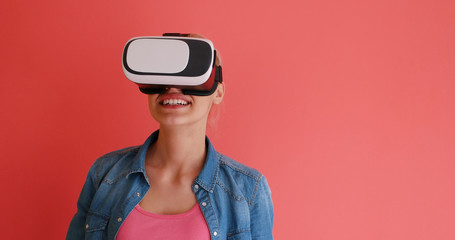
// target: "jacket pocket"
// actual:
[[241, 235], [95, 226]]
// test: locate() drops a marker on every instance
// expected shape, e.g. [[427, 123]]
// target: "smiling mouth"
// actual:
[[173, 102]]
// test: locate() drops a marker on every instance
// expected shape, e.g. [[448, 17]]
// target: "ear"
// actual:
[[219, 93]]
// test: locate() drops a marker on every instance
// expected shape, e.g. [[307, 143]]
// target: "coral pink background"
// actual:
[[347, 107]]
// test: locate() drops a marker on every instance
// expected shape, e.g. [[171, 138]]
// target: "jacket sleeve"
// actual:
[[262, 212], [76, 230]]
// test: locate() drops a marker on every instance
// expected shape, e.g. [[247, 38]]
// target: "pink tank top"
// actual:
[[143, 225]]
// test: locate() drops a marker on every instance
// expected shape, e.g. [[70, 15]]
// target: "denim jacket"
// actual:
[[235, 199]]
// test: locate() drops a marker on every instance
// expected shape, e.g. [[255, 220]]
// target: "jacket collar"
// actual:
[[207, 176]]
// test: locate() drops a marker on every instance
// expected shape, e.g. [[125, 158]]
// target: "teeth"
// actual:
[[174, 102]]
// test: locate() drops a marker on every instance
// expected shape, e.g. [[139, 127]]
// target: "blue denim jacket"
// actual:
[[235, 199]]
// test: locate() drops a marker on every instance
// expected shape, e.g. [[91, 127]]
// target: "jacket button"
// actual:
[[215, 233], [138, 194], [196, 186], [86, 226], [204, 204], [119, 219]]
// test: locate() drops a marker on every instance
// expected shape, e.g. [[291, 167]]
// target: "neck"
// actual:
[[180, 149]]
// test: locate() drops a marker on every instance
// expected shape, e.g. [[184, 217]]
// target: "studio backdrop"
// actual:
[[347, 107]]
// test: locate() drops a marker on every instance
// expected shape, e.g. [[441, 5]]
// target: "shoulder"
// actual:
[[231, 166], [113, 162], [113, 157], [239, 180]]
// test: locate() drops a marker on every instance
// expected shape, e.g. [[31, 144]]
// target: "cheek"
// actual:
[[151, 100], [207, 105]]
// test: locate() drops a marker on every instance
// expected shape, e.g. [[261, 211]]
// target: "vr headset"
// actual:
[[173, 60]]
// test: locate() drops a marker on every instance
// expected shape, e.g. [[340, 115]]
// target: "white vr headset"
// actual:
[[173, 60]]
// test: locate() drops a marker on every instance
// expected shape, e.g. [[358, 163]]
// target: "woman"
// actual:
[[174, 186]]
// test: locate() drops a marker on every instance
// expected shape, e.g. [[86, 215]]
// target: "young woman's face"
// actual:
[[173, 108]]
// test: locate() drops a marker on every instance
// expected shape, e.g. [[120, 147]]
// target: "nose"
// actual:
[[172, 90]]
